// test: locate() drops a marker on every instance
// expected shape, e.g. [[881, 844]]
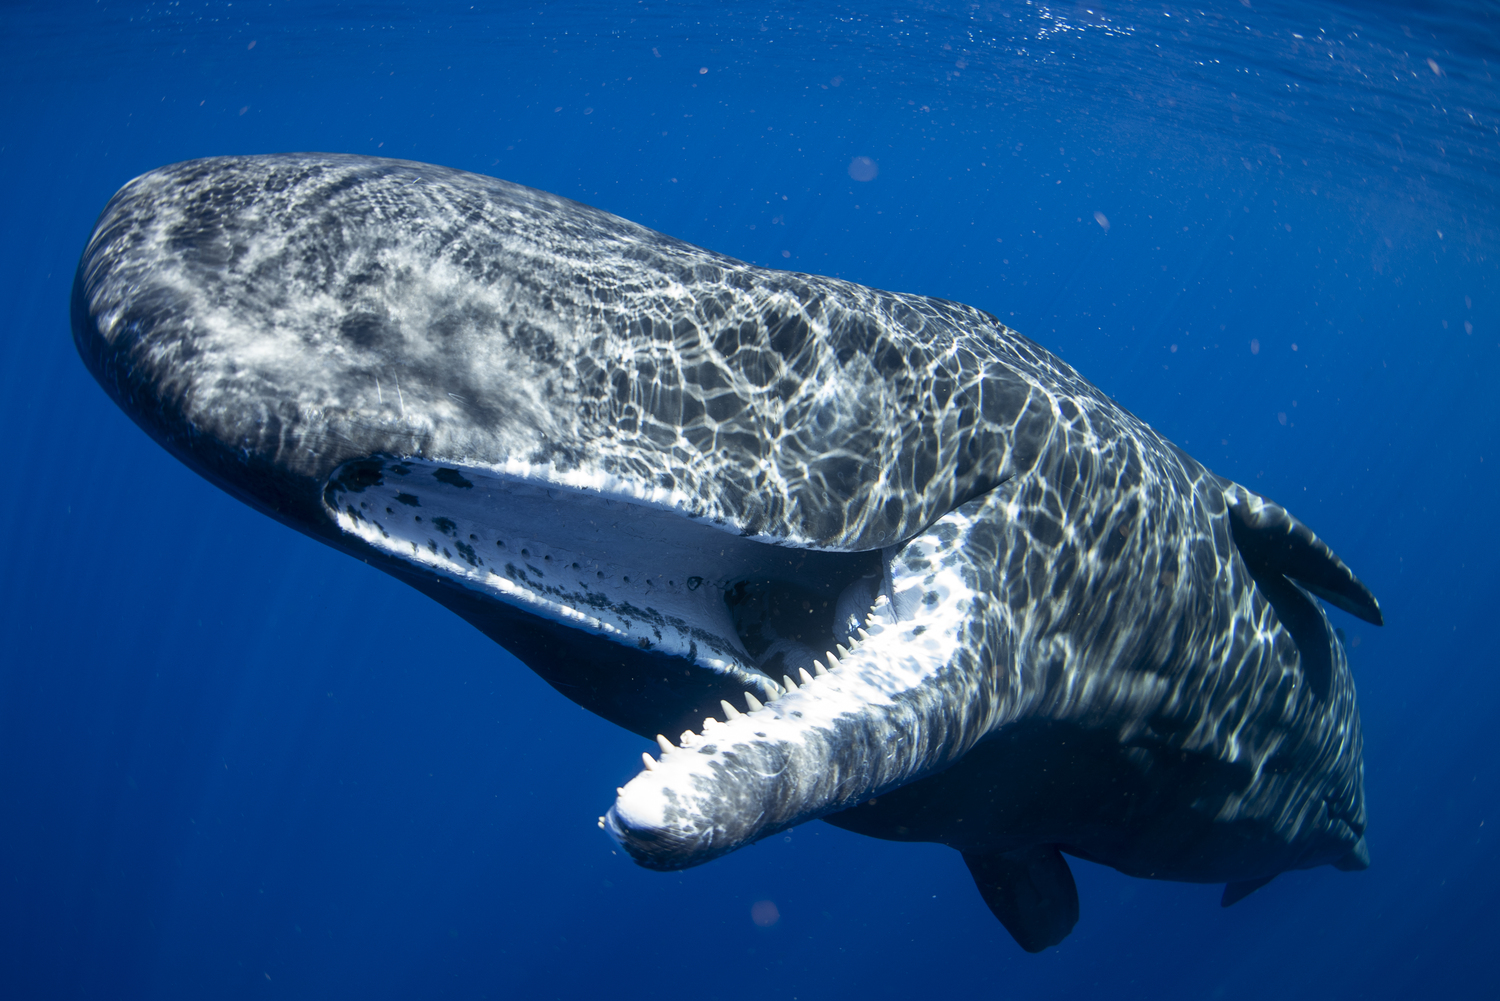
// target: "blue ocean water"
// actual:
[[234, 763]]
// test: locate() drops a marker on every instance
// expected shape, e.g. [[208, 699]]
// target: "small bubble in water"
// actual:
[[764, 913]]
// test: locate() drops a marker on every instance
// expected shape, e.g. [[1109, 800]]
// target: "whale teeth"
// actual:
[[753, 703], [619, 790], [649, 761], [663, 743], [882, 601], [802, 673], [601, 823], [832, 660], [819, 669], [788, 683], [730, 712], [840, 648], [708, 722], [687, 735], [862, 634]]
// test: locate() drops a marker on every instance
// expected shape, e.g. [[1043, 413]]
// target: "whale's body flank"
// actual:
[[853, 554]]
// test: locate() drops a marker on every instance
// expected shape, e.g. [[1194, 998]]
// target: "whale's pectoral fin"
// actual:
[[1237, 891], [1031, 891], [1273, 542]]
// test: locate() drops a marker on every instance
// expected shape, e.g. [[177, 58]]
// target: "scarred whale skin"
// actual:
[[602, 446]]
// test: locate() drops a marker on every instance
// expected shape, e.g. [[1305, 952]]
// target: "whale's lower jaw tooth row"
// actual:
[[709, 795], [754, 705]]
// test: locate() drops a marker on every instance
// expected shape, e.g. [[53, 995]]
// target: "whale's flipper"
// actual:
[[1272, 541], [1235, 892], [1031, 891]]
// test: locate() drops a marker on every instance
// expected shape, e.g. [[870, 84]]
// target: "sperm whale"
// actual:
[[847, 554]]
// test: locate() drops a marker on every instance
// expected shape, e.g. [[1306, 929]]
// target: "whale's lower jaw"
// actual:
[[902, 700], [818, 749], [802, 755], [823, 663]]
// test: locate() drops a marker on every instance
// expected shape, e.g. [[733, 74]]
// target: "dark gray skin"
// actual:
[[662, 478]]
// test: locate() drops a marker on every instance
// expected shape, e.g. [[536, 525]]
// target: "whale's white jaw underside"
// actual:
[[640, 574]]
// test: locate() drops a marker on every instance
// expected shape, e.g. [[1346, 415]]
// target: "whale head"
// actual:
[[696, 496]]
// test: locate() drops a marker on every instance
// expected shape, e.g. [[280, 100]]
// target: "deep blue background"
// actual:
[[234, 763]]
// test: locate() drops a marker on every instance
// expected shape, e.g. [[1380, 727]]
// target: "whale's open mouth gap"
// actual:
[[642, 575]]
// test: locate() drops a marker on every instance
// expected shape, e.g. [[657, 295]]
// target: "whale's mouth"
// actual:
[[752, 613]]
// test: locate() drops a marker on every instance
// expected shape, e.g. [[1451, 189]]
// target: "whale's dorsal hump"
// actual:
[[1272, 541]]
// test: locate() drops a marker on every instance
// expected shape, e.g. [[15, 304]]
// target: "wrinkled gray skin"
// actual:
[[1060, 634]]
